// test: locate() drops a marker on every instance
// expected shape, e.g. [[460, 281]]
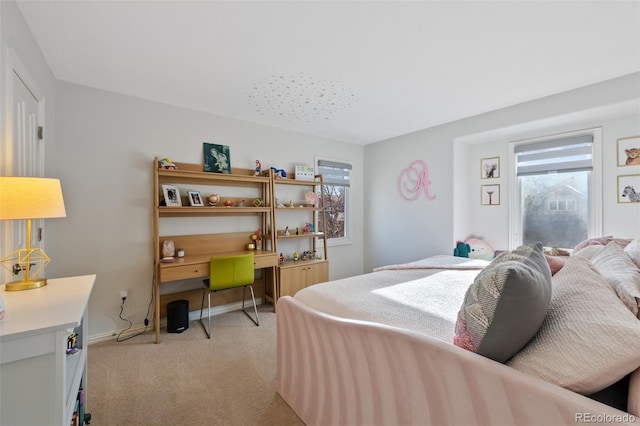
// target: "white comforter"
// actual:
[[422, 296]]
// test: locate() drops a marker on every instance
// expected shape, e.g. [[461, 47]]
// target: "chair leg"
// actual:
[[255, 309], [208, 331]]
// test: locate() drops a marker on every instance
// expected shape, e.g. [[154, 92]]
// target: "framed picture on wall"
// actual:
[[629, 151], [629, 189], [490, 195], [195, 199], [171, 196], [490, 168], [217, 158]]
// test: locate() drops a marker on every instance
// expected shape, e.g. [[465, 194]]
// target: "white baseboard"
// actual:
[[193, 316]]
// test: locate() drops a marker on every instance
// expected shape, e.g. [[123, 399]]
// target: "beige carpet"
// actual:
[[189, 379]]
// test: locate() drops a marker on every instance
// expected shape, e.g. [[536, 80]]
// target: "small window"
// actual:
[[336, 177], [555, 188]]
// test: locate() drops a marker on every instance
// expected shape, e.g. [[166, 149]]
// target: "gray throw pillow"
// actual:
[[506, 304]]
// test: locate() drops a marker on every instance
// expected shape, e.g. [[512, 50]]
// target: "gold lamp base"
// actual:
[[25, 285]]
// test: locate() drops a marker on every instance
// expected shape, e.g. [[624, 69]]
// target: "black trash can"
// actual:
[[177, 316]]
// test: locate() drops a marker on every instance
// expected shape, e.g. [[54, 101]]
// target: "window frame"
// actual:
[[595, 185], [346, 240]]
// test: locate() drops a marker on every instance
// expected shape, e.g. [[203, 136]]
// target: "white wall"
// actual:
[[397, 230], [106, 146], [18, 47]]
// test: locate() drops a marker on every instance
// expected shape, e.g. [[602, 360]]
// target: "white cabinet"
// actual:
[[39, 382]]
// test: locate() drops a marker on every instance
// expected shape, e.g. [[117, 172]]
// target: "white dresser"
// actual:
[[39, 382]]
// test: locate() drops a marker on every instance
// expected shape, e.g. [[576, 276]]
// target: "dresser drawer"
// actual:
[[265, 261], [184, 272]]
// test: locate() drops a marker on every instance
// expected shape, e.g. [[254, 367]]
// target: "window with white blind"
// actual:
[[336, 177], [555, 183]]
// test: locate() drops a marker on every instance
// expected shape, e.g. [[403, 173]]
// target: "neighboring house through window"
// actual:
[[556, 188], [335, 192]]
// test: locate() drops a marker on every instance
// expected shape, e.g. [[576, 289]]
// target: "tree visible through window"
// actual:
[[334, 204], [335, 193]]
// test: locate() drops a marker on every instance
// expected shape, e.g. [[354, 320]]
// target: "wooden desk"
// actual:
[[196, 265]]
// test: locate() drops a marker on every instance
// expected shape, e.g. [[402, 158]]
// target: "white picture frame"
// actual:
[[171, 196], [629, 189], [195, 199]]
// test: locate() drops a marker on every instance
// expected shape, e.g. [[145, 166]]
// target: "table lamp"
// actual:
[[27, 198]]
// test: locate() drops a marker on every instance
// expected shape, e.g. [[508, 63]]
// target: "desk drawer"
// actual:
[[265, 261], [185, 272]]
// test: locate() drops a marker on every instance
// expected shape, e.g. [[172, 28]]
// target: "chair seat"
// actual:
[[227, 272]]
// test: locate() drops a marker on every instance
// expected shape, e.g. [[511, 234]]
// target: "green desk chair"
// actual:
[[226, 272]]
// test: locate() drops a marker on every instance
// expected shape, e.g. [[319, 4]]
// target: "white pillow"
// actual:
[[633, 250], [589, 251], [621, 273], [588, 340]]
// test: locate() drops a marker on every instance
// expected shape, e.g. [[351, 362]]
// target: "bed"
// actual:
[[376, 349]]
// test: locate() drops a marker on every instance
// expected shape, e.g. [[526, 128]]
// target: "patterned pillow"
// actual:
[[506, 304], [588, 339]]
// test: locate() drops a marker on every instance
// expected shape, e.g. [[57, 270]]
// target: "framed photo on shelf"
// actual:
[[217, 158], [490, 168], [629, 151], [490, 195], [171, 196], [195, 199], [629, 189]]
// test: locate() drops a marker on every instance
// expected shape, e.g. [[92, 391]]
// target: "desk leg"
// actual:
[[274, 287], [156, 305]]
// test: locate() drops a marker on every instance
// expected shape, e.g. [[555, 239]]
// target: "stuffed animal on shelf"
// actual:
[[480, 249], [462, 249]]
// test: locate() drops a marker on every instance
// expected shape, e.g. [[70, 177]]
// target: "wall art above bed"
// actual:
[[629, 151], [629, 189], [490, 195], [490, 168], [414, 180]]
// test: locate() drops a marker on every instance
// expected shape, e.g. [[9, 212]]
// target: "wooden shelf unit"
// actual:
[[296, 275], [199, 248]]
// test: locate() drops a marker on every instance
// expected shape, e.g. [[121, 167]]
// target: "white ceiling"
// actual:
[[359, 71]]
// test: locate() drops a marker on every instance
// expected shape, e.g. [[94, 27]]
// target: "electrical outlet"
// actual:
[[123, 294]]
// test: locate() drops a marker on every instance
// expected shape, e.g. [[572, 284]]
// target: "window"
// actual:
[[335, 192], [556, 184]]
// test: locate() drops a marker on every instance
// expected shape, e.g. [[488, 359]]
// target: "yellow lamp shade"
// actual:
[[30, 198]]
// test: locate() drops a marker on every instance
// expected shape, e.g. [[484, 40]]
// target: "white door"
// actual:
[[27, 156]]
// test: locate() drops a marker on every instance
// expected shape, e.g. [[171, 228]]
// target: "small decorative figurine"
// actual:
[[279, 173], [281, 258], [462, 249], [213, 199], [168, 248], [166, 164], [228, 203], [286, 231], [291, 203], [296, 256], [258, 171], [241, 204]]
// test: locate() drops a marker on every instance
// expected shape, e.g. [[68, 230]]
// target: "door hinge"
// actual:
[[40, 133]]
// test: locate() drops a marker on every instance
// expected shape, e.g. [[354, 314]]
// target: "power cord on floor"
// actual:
[[119, 338], [146, 318]]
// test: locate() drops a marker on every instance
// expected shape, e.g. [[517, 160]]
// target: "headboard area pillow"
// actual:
[[615, 265], [506, 304], [633, 250], [589, 338]]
